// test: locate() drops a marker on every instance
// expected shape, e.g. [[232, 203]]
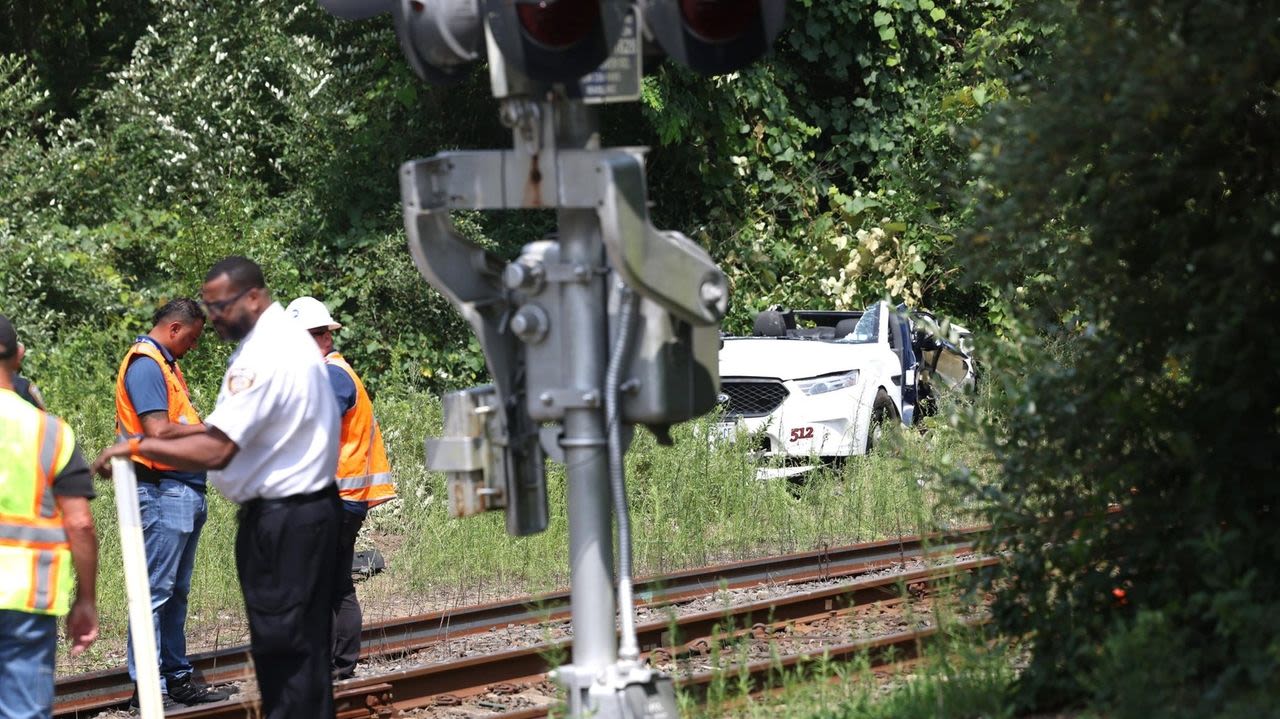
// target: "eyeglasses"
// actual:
[[217, 307], [319, 331]]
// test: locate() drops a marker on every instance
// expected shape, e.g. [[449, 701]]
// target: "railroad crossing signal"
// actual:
[[559, 41], [609, 323]]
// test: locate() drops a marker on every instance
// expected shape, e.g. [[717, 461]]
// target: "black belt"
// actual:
[[143, 473], [146, 475], [260, 502]]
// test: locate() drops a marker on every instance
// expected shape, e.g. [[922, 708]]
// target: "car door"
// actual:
[[887, 371], [908, 364]]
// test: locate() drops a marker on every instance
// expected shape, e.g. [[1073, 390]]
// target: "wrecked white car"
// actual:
[[820, 385]]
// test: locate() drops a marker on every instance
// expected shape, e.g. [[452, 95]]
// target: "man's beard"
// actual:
[[234, 331]]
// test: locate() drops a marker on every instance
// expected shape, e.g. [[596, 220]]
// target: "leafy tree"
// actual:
[[73, 44], [1128, 223], [270, 129], [266, 129], [50, 273], [837, 187]]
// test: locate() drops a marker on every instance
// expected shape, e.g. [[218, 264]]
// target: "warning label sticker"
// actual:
[[618, 77]]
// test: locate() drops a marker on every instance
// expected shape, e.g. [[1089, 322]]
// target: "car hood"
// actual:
[[790, 359]]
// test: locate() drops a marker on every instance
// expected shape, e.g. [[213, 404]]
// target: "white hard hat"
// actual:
[[311, 313]]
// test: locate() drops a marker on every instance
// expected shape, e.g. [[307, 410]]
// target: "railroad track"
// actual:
[[881, 653], [662, 642], [674, 645], [86, 694]]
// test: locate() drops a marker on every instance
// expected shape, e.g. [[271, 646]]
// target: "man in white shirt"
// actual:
[[272, 442]]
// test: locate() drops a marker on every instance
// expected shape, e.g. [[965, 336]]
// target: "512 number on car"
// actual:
[[799, 433]]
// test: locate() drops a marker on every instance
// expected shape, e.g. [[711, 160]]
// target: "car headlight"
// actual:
[[828, 383]]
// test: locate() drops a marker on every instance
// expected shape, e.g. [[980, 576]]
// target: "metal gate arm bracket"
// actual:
[[664, 266], [469, 276]]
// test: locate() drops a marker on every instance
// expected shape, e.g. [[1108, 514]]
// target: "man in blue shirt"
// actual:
[[24, 387], [152, 400], [27, 390], [271, 447]]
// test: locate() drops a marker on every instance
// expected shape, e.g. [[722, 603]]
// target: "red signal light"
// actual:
[[555, 40], [719, 20], [713, 37], [558, 24]]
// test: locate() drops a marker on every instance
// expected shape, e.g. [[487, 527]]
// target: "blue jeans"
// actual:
[[27, 646], [172, 516]]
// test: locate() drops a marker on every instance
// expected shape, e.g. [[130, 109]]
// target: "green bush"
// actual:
[[1128, 213]]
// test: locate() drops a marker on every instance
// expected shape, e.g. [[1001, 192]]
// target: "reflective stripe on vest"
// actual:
[[35, 557], [181, 410], [363, 481], [17, 533], [364, 474], [50, 447], [44, 579]]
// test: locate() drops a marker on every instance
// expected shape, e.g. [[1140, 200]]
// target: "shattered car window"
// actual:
[[868, 328]]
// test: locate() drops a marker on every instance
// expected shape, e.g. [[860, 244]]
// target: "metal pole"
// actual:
[[137, 588], [595, 646]]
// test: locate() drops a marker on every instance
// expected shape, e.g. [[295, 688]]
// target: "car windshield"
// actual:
[[867, 329]]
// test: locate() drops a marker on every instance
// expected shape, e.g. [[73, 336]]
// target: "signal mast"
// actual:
[[609, 324]]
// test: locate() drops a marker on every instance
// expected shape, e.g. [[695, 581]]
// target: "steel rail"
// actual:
[[83, 694], [882, 653], [388, 694]]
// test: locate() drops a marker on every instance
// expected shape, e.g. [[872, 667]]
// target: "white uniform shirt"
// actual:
[[277, 406]]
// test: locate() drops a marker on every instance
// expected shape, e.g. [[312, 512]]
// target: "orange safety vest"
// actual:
[[181, 411], [364, 474], [35, 556]]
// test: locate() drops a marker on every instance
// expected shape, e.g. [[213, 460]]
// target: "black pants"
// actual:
[[346, 608], [284, 555]]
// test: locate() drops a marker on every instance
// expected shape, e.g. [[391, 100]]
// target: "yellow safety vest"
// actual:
[[35, 558], [364, 474], [181, 410]]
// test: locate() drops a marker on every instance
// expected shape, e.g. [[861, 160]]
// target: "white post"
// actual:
[[137, 588]]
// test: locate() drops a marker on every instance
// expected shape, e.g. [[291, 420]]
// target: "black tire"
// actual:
[[881, 411]]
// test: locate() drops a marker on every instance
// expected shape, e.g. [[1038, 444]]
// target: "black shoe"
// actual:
[[186, 690], [168, 703]]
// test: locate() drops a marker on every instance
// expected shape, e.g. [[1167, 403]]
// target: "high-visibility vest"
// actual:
[[364, 474], [35, 557], [181, 411]]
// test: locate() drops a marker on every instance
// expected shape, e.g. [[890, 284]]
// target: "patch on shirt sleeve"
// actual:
[[240, 379]]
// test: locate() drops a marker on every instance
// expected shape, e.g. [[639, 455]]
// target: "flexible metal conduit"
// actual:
[[628, 650]]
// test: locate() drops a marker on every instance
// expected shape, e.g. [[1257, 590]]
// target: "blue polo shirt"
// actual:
[[145, 385], [344, 389]]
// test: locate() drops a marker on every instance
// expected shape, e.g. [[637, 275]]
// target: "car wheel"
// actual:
[[880, 413]]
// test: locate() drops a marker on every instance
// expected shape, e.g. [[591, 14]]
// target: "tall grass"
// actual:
[[963, 674], [693, 503], [962, 677]]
